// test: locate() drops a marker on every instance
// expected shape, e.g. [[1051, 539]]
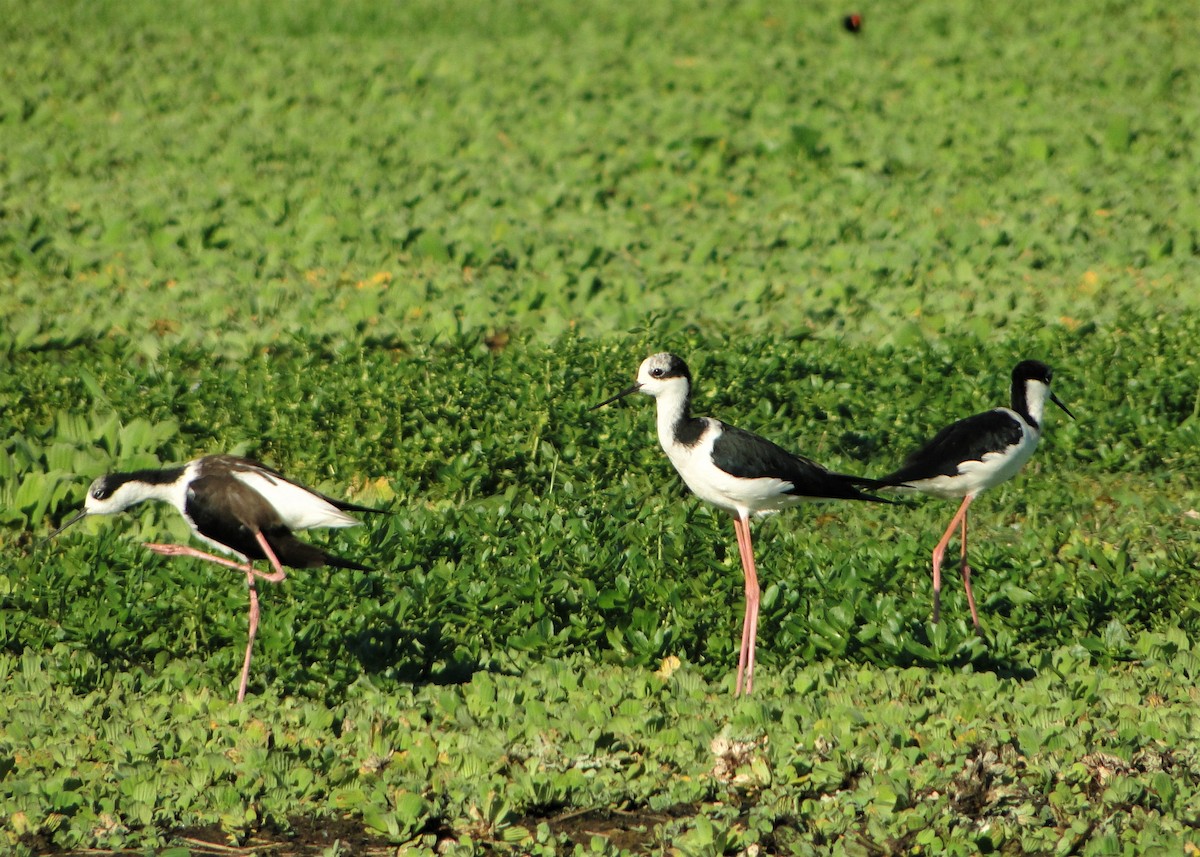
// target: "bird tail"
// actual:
[[347, 506], [338, 562], [854, 483], [893, 483], [297, 554]]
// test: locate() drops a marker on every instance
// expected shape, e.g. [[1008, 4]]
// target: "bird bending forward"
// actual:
[[238, 506]]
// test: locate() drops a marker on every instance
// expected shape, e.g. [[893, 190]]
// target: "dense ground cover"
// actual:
[[406, 169], [397, 252]]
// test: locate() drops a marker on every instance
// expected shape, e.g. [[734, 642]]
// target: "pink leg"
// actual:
[[251, 573], [940, 551], [966, 575], [250, 640], [741, 542], [278, 575], [750, 619], [752, 597], [183, 550]]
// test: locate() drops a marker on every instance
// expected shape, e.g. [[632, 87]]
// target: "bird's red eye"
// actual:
[[657, 373]]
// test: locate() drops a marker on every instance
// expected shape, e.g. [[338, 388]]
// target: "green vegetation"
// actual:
[[537, 167], [398, 250]]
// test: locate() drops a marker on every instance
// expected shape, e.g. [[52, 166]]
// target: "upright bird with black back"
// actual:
[[737, 471], [240, 507], [976, 453]]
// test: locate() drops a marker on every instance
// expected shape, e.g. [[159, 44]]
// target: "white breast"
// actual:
[[711, 484]]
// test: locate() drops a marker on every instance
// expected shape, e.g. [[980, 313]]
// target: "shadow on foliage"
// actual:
[[419, 657]]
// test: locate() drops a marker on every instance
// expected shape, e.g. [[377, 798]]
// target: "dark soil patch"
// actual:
[[307, 837], [632, 830]]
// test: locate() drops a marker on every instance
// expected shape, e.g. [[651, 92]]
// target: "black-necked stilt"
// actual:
[[976, 453], [736, 471], [239, 507]]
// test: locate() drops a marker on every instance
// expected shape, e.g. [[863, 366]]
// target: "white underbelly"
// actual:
[[975, 476], [760, 496]]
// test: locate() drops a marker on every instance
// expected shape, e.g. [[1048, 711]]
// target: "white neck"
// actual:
[[672, 409], [1036, 394]]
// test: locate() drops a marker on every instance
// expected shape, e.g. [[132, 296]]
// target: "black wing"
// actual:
[[748, 456], [965, 440], [228, 511], [225, 510]]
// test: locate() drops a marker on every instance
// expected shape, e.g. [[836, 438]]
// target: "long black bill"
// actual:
[[619, 395], [1056, 401], [78, 516]]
